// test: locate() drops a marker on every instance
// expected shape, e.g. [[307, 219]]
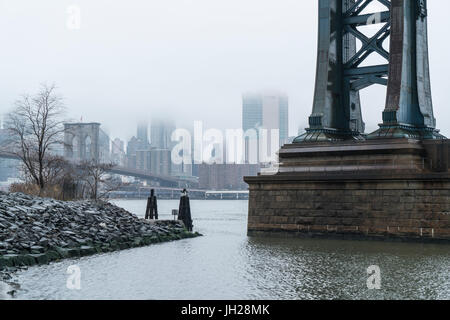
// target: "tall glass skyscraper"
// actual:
[[161, 132], [142, 133], [268, 111]]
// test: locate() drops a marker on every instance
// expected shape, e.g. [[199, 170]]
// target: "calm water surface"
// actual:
[[226, 264]]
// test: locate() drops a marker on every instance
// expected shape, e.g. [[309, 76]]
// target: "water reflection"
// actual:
[[226, 264], [330, 269]]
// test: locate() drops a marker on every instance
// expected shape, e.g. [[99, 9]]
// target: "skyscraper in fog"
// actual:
[[118, 152], [266, 111], [118, 146], [142, 134], [161, 133]]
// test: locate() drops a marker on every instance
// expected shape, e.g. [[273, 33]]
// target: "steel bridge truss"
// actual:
[[341, 74], [356, 77]]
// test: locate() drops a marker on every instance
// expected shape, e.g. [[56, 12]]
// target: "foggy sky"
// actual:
[[188, 59]]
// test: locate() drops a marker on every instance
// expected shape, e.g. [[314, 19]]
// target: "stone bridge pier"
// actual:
[[81, 141]]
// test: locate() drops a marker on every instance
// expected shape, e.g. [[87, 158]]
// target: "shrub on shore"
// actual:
[[54, 192]]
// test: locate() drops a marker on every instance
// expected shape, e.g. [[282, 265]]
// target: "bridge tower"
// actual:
[[337, 182], [82, 141], [340, 75]]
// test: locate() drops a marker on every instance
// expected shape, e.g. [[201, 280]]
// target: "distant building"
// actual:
[[155, 161], [155, 157], [132, 147], [142, 135], [161, 162], [161, 133], [118, 152], [118, 146], [139, 143], [182, 170], [225, 176], [143, 159], [265, 111]]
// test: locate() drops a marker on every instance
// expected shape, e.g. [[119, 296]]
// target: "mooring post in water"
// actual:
[[152, 207], [184, 212]]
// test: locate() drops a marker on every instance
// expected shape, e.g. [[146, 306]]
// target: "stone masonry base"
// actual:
[[396, 209]]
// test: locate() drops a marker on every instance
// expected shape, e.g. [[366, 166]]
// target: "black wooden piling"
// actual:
[[184, 212], [152, 207]]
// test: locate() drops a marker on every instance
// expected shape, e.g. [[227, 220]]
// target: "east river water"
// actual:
[[226, 264]]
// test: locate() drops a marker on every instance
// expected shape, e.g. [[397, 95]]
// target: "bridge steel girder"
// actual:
[[336, 111]]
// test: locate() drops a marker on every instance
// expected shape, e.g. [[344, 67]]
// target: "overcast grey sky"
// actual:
[[190, 59]]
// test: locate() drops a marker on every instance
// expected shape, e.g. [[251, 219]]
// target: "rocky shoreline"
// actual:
[[36, 231]]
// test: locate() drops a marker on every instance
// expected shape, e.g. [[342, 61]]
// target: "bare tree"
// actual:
[[97, 179], [35, 126]]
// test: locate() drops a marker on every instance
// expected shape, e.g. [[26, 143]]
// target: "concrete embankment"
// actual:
[[37, 230]]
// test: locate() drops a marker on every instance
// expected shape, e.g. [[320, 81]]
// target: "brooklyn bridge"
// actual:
[[86, 142]]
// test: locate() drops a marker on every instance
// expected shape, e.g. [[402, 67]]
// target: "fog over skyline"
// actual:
[[186, 59]]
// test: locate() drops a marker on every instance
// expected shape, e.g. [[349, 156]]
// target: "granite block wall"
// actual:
[[401, 210]]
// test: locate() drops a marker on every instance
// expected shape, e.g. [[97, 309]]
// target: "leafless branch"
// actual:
[[35, 126], [97, 179]]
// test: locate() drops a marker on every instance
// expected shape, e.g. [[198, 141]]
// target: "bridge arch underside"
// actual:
[[343, 71], [80, 147], [81, 142]]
